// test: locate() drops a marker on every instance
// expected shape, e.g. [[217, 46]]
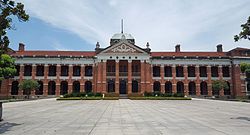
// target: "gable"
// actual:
[[123, 47]]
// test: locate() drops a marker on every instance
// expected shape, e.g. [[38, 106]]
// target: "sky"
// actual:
[[197, 25]]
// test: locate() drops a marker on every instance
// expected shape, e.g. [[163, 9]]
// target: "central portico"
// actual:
[[123, 67]]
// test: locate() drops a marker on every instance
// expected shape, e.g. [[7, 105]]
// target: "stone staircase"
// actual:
[[123, 96]]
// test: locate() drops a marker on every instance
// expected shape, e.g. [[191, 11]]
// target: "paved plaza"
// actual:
[[51, 117]]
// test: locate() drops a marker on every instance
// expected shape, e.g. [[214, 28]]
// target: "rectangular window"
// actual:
[[168, 71], [191, 71], [40, 71], [225, 71], [52, 70], [203, 71]]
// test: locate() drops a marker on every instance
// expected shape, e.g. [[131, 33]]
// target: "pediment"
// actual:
[[123, 47]]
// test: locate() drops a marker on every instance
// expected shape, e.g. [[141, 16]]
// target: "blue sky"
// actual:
[[77, 25]]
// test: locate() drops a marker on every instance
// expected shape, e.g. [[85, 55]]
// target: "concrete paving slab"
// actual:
[[126, 117]]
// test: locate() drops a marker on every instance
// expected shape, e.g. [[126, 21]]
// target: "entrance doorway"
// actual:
[[123, 87]]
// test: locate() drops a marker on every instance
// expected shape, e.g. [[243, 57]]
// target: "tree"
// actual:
[[28, 86], [218, 85], [245, 33], [9, 9], [244, 66], [7, 67]]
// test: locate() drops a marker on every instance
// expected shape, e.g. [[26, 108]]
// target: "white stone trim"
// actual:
[[192, 62], [88, 77], [54, 61], [76, 77], [39, 77], [51, 77], [27, 77]]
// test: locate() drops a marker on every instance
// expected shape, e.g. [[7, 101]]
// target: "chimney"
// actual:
[[21, 47], [219, 48], [97, 45], [178, 48]]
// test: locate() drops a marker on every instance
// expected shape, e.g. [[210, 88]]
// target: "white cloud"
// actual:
[[59, 47], [196, 25]]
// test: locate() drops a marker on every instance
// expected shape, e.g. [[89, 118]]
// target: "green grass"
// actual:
[[160, 98]]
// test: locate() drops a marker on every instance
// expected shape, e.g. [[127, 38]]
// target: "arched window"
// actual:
[[191, 88], [227, 91], [14, 88], [88, 86], [157, 86], [76, 86], [39, 91], [134, 86], [203, 88], [180, 88], [123, 87], [64, 88], [51, 88], [168, 87]]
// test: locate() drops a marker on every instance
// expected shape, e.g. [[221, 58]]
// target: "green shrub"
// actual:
[[244, 67], [82, 94], [247, 73], [175, 95], [90, 94], [67, 95], [76, 94], [148, 94], [157, 93], [180, 95], [168, 95], [98, 94]]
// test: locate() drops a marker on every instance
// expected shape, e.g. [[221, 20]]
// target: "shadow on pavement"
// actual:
[[5, 126], [242, 118]]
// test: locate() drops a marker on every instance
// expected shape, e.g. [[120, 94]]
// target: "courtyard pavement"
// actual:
[[198, 116]]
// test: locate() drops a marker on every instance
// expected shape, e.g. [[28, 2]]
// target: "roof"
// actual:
[[119, 36], [239, 49], [55, 53], [188, 54]]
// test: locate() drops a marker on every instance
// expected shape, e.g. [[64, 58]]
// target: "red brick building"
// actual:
[[124, 68]]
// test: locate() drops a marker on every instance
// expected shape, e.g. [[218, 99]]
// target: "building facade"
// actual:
[[125, 68]]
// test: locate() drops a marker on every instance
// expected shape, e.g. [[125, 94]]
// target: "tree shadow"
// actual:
[[242, 118], [5, 126]]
